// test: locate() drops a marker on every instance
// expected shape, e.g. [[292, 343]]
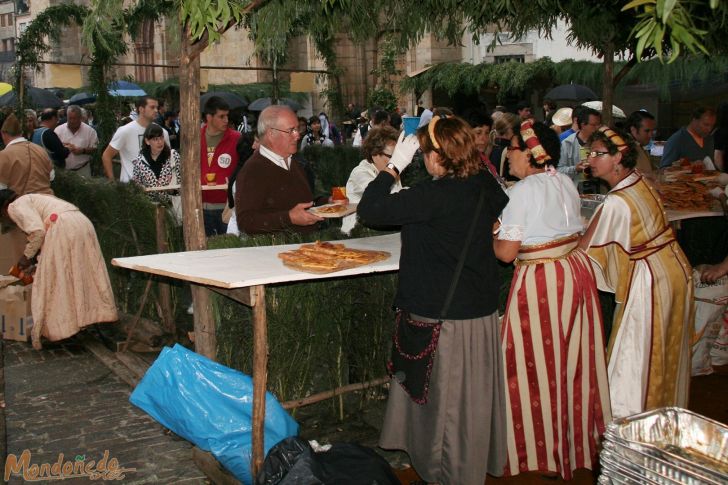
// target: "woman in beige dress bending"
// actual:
[[71, 286]]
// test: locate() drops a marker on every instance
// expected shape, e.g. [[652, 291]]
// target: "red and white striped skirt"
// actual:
[[557, 396]]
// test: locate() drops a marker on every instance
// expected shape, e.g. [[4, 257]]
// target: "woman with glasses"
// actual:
[[551, 336], [157, 165], [377, 150], [637, 258]]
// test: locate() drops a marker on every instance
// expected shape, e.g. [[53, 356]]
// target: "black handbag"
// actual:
[[414, 342]]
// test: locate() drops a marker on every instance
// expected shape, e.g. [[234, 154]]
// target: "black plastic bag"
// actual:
[[282, 458], [293, 462], [352, 464]]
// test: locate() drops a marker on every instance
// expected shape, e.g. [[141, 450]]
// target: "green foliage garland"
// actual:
[[508, 78], [517, 77]]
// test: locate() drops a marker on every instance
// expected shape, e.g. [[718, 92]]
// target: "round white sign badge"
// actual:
[[224, 160]]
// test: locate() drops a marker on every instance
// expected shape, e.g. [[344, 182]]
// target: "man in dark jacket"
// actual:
[[46, 137]]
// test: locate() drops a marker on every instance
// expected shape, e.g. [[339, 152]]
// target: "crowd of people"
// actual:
[[470, 394]]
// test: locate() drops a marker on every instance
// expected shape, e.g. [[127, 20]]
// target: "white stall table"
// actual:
[[241, 274]]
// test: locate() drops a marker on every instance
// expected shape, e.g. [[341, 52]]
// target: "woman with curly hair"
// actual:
[[377, 149], [552, 336], [637, 258], [445, 403]]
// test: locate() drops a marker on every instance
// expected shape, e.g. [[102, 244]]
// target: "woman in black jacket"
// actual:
[[446, 404]]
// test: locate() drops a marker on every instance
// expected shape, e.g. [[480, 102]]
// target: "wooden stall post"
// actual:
[[260, 376], [165, 294]]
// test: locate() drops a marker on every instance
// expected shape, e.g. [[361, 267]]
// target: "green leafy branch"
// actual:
[[668, 26], [211, 17]]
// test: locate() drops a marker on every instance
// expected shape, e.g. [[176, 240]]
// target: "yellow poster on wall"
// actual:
[[65, 76], [204, 80], [303, 82]]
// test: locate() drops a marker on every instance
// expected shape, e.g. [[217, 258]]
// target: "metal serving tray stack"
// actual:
[[665, 446], [589, 204]]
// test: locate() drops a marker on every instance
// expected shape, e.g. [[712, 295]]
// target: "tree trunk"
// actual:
[[276, 91], [608, 89], [192, 220]]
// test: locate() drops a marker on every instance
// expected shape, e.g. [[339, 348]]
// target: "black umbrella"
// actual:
[[82, 98], [571, 92], [232, 99], [261, 103], [37, 98]]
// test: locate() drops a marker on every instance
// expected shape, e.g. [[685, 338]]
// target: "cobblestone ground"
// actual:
[[63, 400]]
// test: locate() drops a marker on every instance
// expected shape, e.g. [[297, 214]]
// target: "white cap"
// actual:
[[562, 117]]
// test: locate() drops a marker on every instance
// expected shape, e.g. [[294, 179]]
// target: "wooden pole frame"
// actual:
[[254, 297], [175, 66], [260, 376]]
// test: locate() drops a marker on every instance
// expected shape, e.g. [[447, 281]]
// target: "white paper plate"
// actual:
[[341, 210]]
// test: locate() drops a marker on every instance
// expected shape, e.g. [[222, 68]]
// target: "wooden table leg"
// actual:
[[260, 376], [165, 293]]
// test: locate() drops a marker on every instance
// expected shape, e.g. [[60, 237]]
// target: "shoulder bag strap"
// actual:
[[463, 254], [30, 169], [504, 157]]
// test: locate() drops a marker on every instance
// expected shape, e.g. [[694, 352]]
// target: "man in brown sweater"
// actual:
[[272, 191], [24, 167]]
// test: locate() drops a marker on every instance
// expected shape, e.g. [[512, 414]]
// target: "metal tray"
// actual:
[[590, 203], [620, 474], [657, 468], [646, 467], [694, 444]]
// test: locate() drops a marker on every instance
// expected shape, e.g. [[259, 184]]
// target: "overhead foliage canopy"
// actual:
[[462, 77], [515, 77]]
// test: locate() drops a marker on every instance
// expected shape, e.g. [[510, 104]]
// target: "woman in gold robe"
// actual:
[[636, 257]]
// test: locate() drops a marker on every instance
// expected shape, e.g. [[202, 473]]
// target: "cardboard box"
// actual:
[[12, 243], [16, 316]]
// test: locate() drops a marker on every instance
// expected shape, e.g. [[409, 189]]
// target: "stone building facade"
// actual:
[[7, 38], [157, 44]]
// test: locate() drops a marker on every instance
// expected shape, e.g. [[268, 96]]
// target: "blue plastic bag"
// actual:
[[211, 406]]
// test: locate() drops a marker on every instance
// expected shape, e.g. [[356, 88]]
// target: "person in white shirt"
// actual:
[[128, 139], [80, 139], [377, 150], [379, 118]]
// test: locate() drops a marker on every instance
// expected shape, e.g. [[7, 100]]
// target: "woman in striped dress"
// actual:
[[552, 336]]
